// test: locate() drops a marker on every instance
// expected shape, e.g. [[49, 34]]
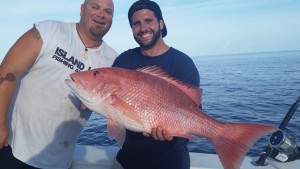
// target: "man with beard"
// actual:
[[40, 118], [161, 151]]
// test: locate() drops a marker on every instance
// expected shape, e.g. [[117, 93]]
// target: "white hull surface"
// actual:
[[99, 157]]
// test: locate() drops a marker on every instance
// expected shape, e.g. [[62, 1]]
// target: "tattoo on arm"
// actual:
[[35, 33]]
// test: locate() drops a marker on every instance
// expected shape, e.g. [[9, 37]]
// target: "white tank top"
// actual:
[[45, 116]]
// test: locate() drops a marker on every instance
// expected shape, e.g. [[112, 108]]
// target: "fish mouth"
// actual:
[[73, 84]]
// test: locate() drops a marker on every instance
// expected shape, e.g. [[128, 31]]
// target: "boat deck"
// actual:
[[99, 157]]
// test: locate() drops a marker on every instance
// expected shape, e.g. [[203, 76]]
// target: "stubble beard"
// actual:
[[98, 33], [151, 43]]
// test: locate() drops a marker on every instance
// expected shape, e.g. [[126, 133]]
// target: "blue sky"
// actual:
[[196, 27]]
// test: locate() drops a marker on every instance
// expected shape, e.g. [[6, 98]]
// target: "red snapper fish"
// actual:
[[142, 99]]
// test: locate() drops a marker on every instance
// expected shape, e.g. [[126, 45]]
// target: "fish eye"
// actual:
[[96, 73]]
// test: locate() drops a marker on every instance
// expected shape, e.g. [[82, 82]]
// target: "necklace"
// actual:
[[85, 54]]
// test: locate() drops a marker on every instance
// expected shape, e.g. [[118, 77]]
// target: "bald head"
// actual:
[[96, 18]]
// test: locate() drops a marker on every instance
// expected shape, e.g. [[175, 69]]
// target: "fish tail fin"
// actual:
[[236, 140]]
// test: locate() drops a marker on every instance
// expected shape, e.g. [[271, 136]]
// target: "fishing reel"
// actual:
[[284, 146]]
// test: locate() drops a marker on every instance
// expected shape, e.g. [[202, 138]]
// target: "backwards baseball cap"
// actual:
[[150, 5]]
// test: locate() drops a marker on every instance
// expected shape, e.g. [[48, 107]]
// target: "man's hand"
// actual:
[[159, 134], [3, 136]]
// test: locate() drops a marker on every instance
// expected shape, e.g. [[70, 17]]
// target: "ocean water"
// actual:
[[241, 88]]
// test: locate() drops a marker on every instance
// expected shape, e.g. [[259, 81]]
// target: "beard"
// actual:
[[149, 45], [97, 33]]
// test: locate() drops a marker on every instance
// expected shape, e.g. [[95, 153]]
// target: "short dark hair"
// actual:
[[150, 5]]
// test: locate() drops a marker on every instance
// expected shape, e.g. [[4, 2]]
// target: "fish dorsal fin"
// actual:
[[195, 93]]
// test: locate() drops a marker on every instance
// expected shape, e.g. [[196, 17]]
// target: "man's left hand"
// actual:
[[159, 134]]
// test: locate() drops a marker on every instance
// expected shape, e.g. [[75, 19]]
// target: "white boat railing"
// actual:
[[100, 157]]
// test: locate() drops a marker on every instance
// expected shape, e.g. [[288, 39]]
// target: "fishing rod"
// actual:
[[289, 115], [282, 146]]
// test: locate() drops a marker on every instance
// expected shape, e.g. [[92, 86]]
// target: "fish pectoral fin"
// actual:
[[127, 110], [116, 131]]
